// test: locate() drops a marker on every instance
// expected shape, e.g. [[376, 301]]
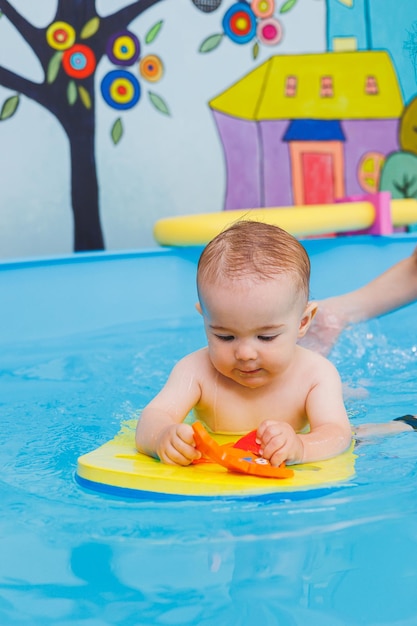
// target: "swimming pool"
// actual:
[[85, 342]]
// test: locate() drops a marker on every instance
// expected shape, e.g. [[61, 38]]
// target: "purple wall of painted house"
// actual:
[[365, 136], [243, 157], [276, 164], [258, 172]]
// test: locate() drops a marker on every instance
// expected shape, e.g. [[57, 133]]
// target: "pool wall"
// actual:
[[58, 296]]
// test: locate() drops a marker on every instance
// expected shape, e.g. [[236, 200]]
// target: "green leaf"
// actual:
[[90, 28], [153, 32], [287, 6], [255, 50], [85, 97], [72, 94], [117, 131], [9, 107], [158, 103], [211, 43], [53, 66]]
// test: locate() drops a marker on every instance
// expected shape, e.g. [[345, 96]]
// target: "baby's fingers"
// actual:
[[268, 431], [179, 453], [279, 456], [279, 442], [178, 446], [263, 429], [274, 448]]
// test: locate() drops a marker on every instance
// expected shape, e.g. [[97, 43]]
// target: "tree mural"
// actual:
[[69, 50]]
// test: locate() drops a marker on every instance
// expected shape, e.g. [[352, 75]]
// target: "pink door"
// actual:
[[318, 177]]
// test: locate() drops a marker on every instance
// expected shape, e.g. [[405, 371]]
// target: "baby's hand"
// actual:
[[176, 445], [279, 443]]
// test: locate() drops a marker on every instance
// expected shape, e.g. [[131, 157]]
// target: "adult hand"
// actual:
[[326, 326]]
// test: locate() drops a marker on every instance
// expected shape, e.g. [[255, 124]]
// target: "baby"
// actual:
[[253, 289]]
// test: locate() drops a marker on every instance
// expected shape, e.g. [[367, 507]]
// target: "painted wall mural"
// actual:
[[322, 123], [362, 25], [69, 49], [312, 129], [315, 101]]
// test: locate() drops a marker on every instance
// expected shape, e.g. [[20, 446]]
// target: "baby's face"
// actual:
[[252, 327]]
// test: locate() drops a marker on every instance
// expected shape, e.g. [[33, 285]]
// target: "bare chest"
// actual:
[[233, 408]]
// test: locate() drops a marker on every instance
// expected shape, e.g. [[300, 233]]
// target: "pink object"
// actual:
[[383, 220]]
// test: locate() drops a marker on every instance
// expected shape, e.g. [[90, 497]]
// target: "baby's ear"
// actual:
[[198, 307], [307, 318]]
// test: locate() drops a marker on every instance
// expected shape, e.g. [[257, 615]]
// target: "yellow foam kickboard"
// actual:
[[116, 467]]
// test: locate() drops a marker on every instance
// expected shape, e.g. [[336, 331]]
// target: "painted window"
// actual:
[[369, 171], [326, 87], [371, 86], [291, 86]]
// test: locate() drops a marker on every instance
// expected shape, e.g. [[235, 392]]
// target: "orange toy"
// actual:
[[241, 457]]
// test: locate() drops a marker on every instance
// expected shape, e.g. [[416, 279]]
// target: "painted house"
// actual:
[[308, 129]]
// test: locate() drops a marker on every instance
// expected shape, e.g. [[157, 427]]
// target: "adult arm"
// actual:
[[391, 290]]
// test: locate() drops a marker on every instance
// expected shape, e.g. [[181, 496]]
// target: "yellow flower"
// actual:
[[60, 35]]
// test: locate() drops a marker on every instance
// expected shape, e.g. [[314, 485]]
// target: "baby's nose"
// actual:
[[245, 351]]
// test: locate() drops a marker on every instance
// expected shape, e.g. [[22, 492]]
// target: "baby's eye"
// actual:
[[225, 337], [267, 337]]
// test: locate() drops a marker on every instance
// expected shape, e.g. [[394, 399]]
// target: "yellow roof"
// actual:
[[260, 95]]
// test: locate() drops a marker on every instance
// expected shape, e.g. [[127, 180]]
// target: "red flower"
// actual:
[[79, 61]]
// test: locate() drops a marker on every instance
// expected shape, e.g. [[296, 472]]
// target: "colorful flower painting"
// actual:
[[120, 88], [250, 22]]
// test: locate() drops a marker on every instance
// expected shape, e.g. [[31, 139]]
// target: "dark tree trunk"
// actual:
[[77, 117], [84, 192]]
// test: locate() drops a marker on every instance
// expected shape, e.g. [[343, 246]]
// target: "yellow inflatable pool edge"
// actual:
[[116, 468], [300, 221]]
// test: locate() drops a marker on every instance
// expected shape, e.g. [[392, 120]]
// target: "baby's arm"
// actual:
[[330, 431], [160, 431]]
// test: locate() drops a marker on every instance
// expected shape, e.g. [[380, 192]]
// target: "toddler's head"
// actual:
[[255, 250]]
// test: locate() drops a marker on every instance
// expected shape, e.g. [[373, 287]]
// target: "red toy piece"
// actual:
[[238, 459], [248, 443]]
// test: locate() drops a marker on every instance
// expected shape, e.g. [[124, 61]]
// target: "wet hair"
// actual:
[[256, 250]]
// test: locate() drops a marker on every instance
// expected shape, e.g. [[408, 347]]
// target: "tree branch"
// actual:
[[21, 85], [87, 5], [128, 13], [29, 32]]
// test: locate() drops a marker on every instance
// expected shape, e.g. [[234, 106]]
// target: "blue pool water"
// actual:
[[85, 342]]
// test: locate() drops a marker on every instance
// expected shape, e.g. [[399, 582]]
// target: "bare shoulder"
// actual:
[[198, 357], [317, 361], [194, 362]]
